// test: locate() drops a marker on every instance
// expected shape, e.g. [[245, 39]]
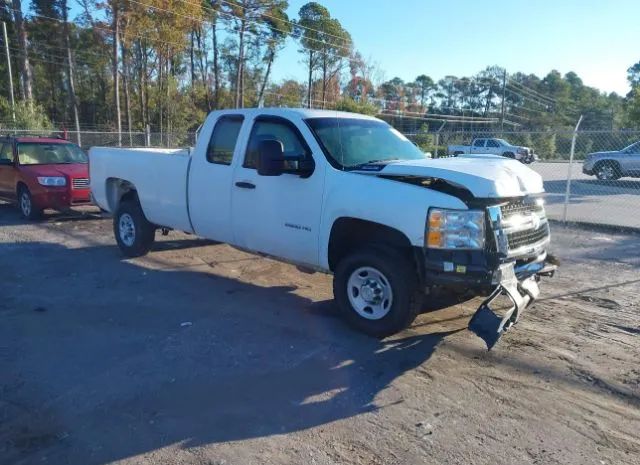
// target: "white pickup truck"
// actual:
[[344, 194], [494, 146]]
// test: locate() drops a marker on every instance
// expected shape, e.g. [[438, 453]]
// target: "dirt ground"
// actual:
[[201, 354]]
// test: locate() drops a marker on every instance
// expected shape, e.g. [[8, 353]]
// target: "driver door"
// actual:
[[632, 159], [7, 169], [278, 215], [478, 146]]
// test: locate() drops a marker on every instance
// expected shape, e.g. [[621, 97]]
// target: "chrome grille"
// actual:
[[527, 237], [520, 207], [520, 228], [80, 183]]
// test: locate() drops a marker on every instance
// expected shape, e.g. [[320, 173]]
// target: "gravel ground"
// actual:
[[201, 354]]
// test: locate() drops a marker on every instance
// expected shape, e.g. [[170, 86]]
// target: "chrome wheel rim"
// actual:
[[370, 293], [127, 229], [25, 204], [606, 172]]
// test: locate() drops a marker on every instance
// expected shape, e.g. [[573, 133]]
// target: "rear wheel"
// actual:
[[27, 208], [377, 291], [607, 171], [134, 233]]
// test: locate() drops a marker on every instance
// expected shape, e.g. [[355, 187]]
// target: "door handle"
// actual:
[[245, 185]]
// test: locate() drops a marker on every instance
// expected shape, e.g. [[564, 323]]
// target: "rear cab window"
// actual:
[[224, 139]]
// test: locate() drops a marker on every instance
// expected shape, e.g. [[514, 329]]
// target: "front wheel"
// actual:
[[607, 172], [134, 233], [27, 208], [377, 291]]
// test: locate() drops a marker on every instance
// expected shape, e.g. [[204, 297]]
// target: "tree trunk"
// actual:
[[70, 72], [142, 84], [240, 67], [266, 77], [192, 65], [216, 68], [309, 91], [26, 81], [127, 96], [204, 66], [116, 76], [324, 79]]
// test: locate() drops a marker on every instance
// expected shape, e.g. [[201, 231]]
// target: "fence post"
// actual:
[[147, 136], [567, 193], [438, 137]]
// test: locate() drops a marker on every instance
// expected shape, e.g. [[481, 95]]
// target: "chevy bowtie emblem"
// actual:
[[535, 221]]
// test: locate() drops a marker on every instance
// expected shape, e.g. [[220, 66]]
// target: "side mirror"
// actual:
[[270, 158]]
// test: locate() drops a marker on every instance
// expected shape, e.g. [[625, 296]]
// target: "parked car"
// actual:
[[39, 173], [608, 166], [495, 147], [345, 194]]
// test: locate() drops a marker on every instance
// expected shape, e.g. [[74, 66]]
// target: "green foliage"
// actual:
[[350, 105], [632, 107], [27, 116], [545, 145]]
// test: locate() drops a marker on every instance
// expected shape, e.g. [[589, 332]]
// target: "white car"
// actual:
[[494, 146], [344, 194]]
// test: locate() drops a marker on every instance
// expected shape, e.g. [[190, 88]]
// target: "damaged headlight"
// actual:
[[455, 229]]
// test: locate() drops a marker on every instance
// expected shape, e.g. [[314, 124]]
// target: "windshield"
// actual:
[[38, 153], [351, 142], [633, 148], [501, 141]]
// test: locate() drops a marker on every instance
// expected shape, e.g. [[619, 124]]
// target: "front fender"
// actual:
[[395, 204]]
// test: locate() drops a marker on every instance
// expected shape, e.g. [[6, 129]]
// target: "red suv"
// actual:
[[40, 173]]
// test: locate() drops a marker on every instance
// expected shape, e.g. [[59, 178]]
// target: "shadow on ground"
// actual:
[[106, 359]]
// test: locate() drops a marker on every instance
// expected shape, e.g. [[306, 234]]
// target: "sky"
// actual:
[[597, 39]]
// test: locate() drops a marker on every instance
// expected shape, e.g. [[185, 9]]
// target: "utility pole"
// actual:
[[6, 48], [504, 88]]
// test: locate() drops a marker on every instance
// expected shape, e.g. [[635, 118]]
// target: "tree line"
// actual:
[[127, 65]]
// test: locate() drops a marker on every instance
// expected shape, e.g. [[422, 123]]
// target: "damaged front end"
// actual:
[[520, 233], [510, 263]]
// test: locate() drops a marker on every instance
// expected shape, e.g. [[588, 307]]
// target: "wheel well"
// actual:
[[613, 163], [119, 190], [19, 186], [348, 234]]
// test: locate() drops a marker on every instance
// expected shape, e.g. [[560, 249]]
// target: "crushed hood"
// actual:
[[484, 177]]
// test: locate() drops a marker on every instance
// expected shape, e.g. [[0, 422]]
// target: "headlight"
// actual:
[[52, 181], [455, 229]]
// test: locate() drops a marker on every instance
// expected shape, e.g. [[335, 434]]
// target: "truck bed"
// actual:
[[159, 176]]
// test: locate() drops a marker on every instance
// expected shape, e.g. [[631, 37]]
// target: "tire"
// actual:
[[25, 203], [607, 171], [455, 154], [134, 234], [379, 269]]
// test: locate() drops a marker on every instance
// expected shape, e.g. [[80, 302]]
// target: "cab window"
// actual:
[[275, 129], [6, 153], [492, 143], [223, 140], [478, 143]]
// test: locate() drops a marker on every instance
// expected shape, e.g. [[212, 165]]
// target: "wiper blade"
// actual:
[[372, 162]]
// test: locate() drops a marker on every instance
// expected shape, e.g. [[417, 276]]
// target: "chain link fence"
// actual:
[[589, 176], [88, 139], [572, 194]]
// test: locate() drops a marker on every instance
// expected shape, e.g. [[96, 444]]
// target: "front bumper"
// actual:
[[60, 198], [511, 264]]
